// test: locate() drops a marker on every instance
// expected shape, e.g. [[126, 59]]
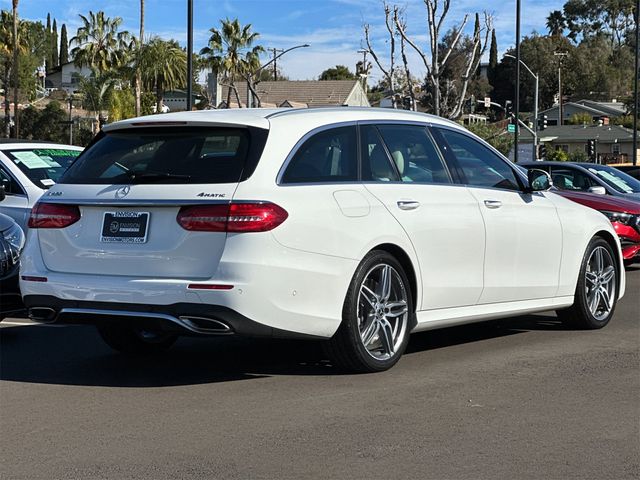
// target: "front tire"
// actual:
[[597, 289], [375, 318], [136, 341]]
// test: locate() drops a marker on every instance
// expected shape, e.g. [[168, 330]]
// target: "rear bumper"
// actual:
[[180, 318]]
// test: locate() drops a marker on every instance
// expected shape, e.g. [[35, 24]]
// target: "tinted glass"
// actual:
[[328, 156], [43, 166], [616, 179], [481, 166], [376, 165], [414, 154], [570, 179], [160, 155], [11, 187]]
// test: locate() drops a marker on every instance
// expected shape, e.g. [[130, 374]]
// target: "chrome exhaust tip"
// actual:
[[42, 314], [206, 325]]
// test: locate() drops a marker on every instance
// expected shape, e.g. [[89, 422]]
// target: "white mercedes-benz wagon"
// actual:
[[356, 226]]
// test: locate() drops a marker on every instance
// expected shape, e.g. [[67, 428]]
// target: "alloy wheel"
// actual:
[[382, 311], [600, 283]]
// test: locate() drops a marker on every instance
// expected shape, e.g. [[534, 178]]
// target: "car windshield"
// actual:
[[162, 155], [43, 166], [619, 181]]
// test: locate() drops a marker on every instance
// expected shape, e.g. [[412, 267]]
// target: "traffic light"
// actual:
[[508, 109], [542, 151], [591, 148], [542, 122]]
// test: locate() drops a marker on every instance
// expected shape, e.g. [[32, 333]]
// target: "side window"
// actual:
[[376, 165], [568, 179], [11, 187], [414, 154], [328, 156], [480, 165]]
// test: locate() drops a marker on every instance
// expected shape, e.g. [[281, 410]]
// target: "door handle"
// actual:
[[493, 204], [408, 204]]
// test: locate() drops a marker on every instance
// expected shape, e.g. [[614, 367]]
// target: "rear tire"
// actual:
[[375, 317], [131, 340], [597, 289]]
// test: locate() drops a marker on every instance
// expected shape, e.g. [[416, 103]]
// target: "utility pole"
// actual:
[[517, 94], [561, 56], [189, 54], [275, 62], [635, 88]]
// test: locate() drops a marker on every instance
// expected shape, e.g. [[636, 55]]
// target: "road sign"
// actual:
[[487, 102], [511, 128]]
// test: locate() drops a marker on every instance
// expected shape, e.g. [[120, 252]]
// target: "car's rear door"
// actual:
[[523, 230], [402, 167]]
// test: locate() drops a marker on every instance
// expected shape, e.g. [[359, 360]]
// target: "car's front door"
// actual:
[[403, 169], [523, 230]]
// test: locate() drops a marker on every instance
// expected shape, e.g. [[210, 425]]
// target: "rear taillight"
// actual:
[[233, 217], [53, 215]]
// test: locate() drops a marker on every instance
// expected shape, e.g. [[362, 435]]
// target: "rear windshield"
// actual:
[[43, 166], [163, 155]]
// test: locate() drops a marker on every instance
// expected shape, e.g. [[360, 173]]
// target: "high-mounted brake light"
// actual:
[[53, 215], [233, 217]]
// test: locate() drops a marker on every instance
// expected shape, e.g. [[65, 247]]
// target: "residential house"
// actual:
[[597, 111], [298, 93], [66, 77], [614, 143]]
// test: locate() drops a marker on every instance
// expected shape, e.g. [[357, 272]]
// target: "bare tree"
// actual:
[[399, 19], [435, 61], [389, 72]]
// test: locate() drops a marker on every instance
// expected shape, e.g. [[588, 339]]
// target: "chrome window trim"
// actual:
[[301, 142]]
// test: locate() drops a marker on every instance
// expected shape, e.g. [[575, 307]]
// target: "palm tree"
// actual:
[[99, 44], [230, 51], [556, 23], [163, 66], [7, 50]]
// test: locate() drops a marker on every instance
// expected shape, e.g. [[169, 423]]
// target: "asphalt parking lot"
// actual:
[[524, 398]]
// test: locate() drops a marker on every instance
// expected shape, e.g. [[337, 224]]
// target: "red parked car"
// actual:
[[624, 215]]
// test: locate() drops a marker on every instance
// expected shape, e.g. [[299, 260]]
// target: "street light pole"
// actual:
[[635, 88], [517, 94], [189, 54], [535, 105]]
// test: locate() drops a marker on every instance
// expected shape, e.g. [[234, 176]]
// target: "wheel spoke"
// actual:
[[594, 301], [370, 297], [384, 287], [608, 274], [604, 294], [396, 309], [599, 260], [369, 333], [386, 336]]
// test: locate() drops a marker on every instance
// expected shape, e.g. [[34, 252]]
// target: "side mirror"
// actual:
[[3, 193], [539, 180], [598, 190]]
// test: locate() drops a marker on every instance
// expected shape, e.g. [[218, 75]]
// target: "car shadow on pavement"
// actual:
[[75, 355]]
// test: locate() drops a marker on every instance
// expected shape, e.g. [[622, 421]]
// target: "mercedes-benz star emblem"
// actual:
[[123, 191]]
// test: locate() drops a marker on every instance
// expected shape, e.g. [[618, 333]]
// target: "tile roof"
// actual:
[[314, 93]]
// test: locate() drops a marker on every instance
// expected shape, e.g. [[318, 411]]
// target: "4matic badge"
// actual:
[[211, 195]]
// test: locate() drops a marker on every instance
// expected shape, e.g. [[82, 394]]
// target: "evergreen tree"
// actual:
[[493, 59], [54, 45], [47, 60], [64, 45]]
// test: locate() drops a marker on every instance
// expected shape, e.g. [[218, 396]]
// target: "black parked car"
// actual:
[[11, 244]]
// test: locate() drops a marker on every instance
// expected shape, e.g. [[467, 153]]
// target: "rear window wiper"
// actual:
[[150, 177]]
